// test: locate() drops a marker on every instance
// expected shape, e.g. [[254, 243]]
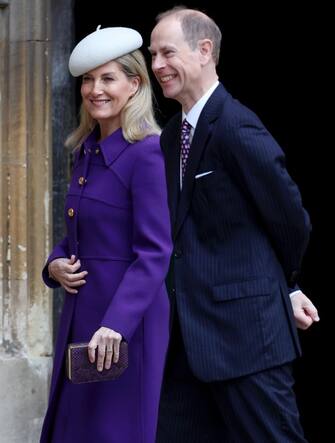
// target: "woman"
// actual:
[[114, 259]]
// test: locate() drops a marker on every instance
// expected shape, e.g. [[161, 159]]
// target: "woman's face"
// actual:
[[105, 91]]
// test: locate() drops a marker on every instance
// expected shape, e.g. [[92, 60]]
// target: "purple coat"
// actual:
[[118, 226]]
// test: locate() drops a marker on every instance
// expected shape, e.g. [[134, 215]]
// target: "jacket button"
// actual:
[[97, 151], [173, 291], [70, 212], [81, 181], [177, 253]]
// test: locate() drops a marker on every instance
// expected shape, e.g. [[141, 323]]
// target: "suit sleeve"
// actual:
[[260, 166], [59, 251], [151, 244]]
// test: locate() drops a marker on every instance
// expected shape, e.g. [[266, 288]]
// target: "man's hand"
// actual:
[[305, 313]]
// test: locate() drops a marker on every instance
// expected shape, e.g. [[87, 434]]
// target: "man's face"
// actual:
[[176, 66]]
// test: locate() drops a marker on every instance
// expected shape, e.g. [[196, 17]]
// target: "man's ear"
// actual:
[[205, 47]]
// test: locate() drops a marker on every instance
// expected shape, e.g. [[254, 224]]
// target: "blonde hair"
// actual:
[[137, 117]]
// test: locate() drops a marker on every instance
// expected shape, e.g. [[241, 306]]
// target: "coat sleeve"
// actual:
[[59, 251], [151, 241], [259, 164]]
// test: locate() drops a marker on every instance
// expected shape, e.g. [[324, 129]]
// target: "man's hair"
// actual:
[[196, 26]]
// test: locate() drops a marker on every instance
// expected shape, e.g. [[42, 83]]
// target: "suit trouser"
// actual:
[[258, 408]]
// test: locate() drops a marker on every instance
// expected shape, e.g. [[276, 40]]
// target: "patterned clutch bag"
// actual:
[[80, 370]]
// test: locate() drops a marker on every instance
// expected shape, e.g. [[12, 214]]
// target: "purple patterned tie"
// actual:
[[185, 144]]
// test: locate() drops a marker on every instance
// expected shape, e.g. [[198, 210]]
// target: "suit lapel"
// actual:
[[172, 153], [201, 134], [200, 140]]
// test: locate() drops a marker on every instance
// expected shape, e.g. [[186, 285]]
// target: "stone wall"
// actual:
[[25, 217]]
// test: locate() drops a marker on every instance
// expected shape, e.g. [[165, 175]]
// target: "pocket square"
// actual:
[[203, 174]]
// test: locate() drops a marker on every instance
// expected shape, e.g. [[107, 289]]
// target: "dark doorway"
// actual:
[[270, 61]]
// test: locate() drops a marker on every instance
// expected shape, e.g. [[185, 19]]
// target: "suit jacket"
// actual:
[[239, 233]]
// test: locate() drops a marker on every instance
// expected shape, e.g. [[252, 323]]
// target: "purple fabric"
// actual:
[[185, 144], [118, 226]]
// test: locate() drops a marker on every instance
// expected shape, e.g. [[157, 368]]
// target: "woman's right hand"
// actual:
[[64, 271]]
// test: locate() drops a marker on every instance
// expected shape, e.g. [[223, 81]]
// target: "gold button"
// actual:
[[81, 181], [97, 151], [70, 212]]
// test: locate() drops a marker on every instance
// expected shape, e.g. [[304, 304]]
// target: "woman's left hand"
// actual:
[[108, 343]]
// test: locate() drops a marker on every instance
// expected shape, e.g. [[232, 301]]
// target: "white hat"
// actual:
[[102, 46]]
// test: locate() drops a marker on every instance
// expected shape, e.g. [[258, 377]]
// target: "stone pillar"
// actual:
[[63, 122], [25, 217]]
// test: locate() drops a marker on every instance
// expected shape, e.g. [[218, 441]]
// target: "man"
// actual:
[[240, 233]]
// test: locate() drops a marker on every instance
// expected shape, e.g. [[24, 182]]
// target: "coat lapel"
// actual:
[[171, 142], [201, 134], [200, 140]]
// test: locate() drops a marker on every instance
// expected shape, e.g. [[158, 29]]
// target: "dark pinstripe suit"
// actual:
[[240, 233]]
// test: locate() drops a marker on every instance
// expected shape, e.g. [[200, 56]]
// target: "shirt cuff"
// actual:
[[292, 294]]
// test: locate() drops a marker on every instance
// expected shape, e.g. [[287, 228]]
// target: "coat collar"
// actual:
[[111, 147]]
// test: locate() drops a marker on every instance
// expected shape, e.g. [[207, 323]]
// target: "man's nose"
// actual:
[[157, 63]]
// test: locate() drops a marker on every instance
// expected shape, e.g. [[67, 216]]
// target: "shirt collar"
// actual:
[[111, 146], [194, 113]]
